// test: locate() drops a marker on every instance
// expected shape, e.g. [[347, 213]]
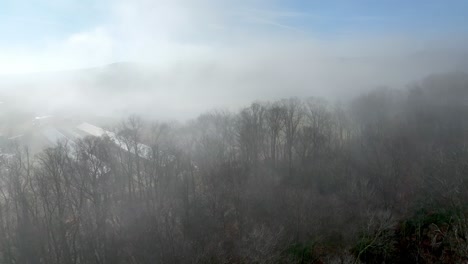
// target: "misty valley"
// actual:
[[233, 132], [379, 178]]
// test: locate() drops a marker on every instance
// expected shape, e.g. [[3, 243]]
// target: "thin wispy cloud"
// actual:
[[274, 23]]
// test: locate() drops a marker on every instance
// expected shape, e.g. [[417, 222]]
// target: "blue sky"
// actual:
[[30, 22], [65, 30], [378, 16], [33, 19]]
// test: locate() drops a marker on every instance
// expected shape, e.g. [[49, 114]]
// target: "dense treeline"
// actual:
[[381, 179]]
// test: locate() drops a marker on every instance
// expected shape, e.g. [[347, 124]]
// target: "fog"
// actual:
[[249, 131], [181, 58]]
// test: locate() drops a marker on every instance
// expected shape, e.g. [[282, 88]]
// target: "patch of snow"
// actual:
[[15, 137], [42, 117]]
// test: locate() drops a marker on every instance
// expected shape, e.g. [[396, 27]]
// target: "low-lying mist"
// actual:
[[183, 90], [176, 59]]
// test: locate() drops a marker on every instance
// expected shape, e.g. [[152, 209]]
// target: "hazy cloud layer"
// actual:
[[190, 56]]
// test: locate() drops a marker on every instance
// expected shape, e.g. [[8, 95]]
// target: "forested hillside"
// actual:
[[380, 179]]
